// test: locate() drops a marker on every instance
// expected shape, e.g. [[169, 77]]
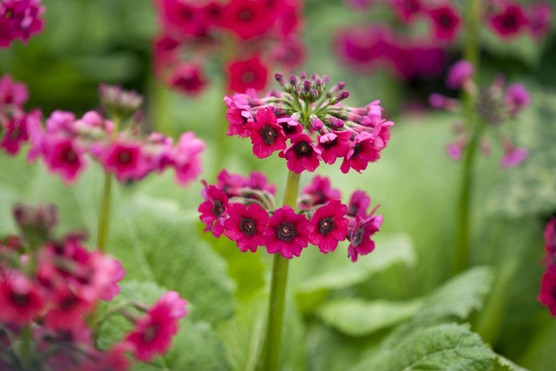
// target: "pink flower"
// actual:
[[238, 119], [547, 294], [20, 299], [12, 92], [214, 209], [328, 226], [188, 79], [124, 159], [360, 235], [361, 153], [334, 145], [550, 241], [246, 226], [319, 192], [301, 154], [16, 134], [153, 333], [287, 233], [454, 150], [186, 157], [446, 22], [540, 15], [60, 122], [517, 98], [459, 74], [68, 311], [246, 74], [64, 157], [266, 134], [358, 204], [406, 9], [247, 18], [514, 157], [19, 19], [258, 181], [509, 21]]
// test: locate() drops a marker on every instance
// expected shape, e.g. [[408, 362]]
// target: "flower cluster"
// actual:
[[414, 54], [307, 108], [50, 289], [65, 143], [547, 295], [14, 121], [245, 35], [243, 209], [19, 19], [495, 105]]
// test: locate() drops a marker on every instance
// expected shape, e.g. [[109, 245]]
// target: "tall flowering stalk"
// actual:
[[307, 125], [50, 288]]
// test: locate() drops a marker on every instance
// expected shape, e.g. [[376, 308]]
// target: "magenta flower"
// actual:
[[266, 135], [539, 17], [334, 145], [20, 299], [514, 157], [550, 240], [446, 22], [361, 230], [455, 150], [517, 98], [406, 9], [547, 294], [69, 310], [16, 134], [362, 152], [214, 209], [247, 18], [318, 192], [12, 92], [186, 158], [246, 226], [358, 204], [19, 19], [64, 157], [459, 74], [188, 78], [125, 160], [328, 226], [510, 21], [301, 154], [287, 233], [247, 74], [153, 333]]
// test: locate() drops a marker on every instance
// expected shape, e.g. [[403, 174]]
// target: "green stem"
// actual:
[[278, 291], [104, 219], [26, 345], [471, 54]]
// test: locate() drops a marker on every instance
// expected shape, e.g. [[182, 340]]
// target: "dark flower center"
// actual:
[[68, 302], [303, 149], [124, 157], [9, 14], [445, 21], [14, 135], [357, 236], [19, 299], [286, 232], [71, 156], [245, 15], [326, 225], [356, 150], [268, 134], [248, 226], [186, 14], [248, 77], [217, 208], [150, 333], [510, 20]]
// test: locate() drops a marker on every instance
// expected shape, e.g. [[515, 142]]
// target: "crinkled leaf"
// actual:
[[157, 242], [441, 347], [504, 364], [359, 317]]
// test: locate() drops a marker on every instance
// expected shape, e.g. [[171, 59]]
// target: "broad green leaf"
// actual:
[[530, 188], [441, 347], [504, 364], [157, 242], [359, 317]]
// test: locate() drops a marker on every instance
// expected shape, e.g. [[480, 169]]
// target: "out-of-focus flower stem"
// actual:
[[476, 127], [274, 332]]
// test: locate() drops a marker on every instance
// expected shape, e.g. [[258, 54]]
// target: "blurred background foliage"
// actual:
[[86, 42]]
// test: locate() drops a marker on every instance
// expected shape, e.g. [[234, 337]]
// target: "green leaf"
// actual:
[[157, 242], [530, 188], [357, 317], [441, 347], [336, 271], [504, 364]]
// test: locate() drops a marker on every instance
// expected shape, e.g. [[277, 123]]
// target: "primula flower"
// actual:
[[550, 240], [318, 192], [301, 154], [510, 21], [19, 19], [406, 9], [358, 204], [328, 226], [362, 152], [214, 209], [153, 333], [547, 294], [246, 226], [20, 299], [186, 157], [360, 236], [287, 233], [334, 145], [124, 159], [517, 98], [15, 135], [459, 74], [514, 157], [266, 135], [446, 22], [62, 156], [539, 17], [188, 78], [246, 74], [12, 92], [247, 18]]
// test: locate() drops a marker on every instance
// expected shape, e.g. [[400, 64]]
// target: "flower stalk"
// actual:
[[278, 290]]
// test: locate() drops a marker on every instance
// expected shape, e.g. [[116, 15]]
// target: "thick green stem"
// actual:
[[278, 291], [26, 347], [104, 219], [471, 54]]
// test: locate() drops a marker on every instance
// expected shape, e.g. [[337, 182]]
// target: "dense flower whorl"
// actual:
[[243, 209], [19, 19], [495, 105], [307, 124]]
